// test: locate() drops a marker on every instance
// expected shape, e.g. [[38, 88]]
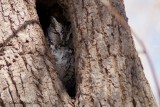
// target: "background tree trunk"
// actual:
[[108, 70]]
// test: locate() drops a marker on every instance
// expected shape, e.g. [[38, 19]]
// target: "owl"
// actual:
[[59, 41]]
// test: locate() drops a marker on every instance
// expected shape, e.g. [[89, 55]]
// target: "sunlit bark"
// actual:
[[108, 70]]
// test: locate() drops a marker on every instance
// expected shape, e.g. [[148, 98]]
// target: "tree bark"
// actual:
[[108, 70], [27, 73]]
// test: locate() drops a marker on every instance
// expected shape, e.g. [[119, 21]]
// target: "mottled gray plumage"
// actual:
[[62, 51]]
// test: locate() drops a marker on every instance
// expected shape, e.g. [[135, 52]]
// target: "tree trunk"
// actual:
[[108, 70], [27, 74]]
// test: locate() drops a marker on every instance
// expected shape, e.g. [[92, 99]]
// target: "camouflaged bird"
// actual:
[[59, 40]]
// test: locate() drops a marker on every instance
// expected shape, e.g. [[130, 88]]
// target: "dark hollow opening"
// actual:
[[45, 12]]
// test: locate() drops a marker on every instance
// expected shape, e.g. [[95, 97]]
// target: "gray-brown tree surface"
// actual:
[[108, 70]]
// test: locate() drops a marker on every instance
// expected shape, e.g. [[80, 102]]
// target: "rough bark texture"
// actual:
[[27, 75], [108, 70]]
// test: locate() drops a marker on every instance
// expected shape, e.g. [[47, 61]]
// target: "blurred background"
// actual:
[[144, 19]]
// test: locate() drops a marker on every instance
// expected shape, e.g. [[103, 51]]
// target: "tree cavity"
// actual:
[[58, 31]]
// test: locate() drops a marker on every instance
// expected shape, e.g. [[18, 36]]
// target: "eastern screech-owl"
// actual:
[[60, 43]]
